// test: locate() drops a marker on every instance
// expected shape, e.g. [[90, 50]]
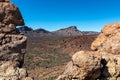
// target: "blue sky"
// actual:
[[87, 15]]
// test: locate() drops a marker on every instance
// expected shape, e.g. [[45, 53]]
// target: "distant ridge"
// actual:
[[25, 29], [71, 31], [90, 32], [41, 30]]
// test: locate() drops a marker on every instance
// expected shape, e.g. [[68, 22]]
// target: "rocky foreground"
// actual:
[[12, 44], [103, 63]]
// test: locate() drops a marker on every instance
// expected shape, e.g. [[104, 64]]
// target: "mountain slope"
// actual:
[[67, 32]]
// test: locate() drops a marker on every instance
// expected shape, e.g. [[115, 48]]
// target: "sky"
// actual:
[[87, 15]]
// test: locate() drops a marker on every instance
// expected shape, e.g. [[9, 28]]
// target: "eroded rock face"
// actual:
[[12, 44], [108, 40], [103, 63], [10, 17], [111, 69]]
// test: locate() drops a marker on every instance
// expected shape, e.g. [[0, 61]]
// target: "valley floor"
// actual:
[[46, 57]]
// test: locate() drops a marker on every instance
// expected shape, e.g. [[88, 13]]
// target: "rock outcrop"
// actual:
[[103, 63], [109, 39], [12, 44]]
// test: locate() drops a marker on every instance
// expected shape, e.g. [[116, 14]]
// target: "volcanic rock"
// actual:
[[10, 17], [108, 40], [83, 66], [12, 44]]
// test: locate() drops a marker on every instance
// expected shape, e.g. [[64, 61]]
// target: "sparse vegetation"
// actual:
[[46, 57]]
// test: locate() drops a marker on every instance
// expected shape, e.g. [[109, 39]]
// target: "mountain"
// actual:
[[67, 32], [40, 30], [71, 31], [29, 32]]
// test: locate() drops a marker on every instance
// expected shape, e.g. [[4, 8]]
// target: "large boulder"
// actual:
[[103, 63], [85, 65], [12, 44]]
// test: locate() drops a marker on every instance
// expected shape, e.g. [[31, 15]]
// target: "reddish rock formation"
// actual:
[[103, 63], [12, 44]]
